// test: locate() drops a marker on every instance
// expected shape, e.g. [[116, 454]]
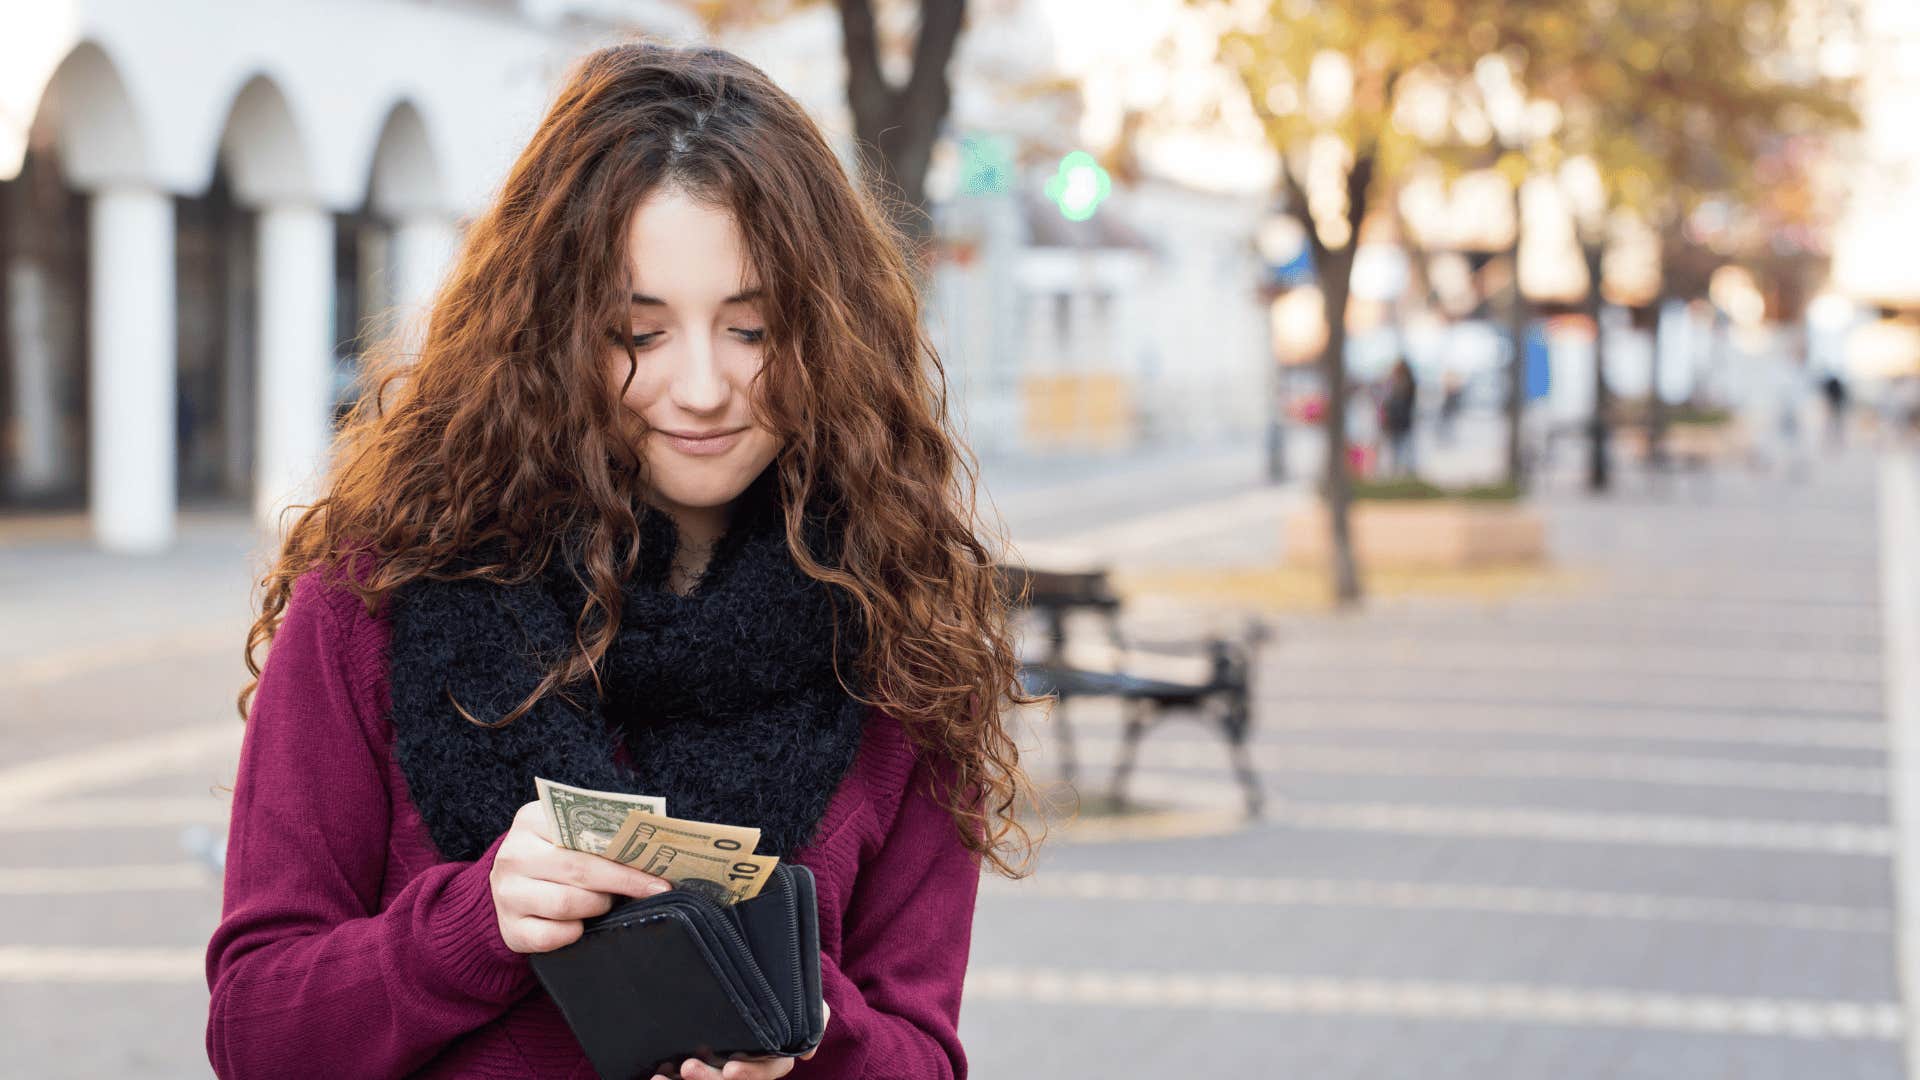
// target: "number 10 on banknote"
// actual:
[[699, 856]]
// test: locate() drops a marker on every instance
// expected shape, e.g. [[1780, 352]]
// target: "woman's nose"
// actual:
[[698, 383]]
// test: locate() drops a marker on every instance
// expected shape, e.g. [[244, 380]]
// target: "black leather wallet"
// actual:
[[676, 975]]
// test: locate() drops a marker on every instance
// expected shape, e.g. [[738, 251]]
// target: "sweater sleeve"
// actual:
[[895, 994], [308, 976]]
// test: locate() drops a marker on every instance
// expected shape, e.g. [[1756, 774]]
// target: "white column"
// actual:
[[131, 370], [422, 246], [295, 364]]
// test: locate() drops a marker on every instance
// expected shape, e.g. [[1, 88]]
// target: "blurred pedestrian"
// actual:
[[1397, 418], [589, 537], [1834, 389], [1453, 392], [1363, 430]]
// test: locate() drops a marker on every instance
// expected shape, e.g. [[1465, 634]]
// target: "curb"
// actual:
[[1900, 614]]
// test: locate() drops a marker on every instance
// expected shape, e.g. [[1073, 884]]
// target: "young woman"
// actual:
[[665, 504]]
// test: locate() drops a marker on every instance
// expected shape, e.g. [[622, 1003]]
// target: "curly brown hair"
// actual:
[[497, 434]]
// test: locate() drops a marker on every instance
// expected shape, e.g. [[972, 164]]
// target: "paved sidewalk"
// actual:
[[1639, 830], [1635, 830]]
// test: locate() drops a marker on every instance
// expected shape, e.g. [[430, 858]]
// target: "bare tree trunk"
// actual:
[[1656, 405], [1599, 465], [896, 125], [1333, 268], [1518, 318], [1336, 272]]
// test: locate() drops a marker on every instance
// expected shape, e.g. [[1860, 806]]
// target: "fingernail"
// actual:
[[654, 888]]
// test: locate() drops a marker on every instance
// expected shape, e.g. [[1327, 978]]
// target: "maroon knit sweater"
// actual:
[[348, 948]]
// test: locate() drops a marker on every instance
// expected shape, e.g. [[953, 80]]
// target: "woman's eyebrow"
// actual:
[[737, 298]]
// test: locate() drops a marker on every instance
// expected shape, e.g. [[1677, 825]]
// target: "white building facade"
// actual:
[[202, 200]]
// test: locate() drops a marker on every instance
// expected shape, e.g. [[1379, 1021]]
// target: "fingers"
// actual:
[[826, 1017], [757, 1069], [531, 935], [752, 1068], [592, 872], [533, 818], [539, 899]]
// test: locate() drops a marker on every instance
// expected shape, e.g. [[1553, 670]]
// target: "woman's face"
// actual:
[[695, 321]]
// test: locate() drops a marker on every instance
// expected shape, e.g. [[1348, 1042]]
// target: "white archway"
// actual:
[[265, 154], [407, 188], [262, 148]]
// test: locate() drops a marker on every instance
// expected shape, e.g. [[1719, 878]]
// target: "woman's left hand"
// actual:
[[752, 1068]]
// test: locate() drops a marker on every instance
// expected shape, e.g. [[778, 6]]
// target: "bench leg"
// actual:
[[1238, 724], [1136, 713], [1249, 780]]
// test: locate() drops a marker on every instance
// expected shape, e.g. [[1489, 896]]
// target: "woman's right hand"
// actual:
[[541, 890]]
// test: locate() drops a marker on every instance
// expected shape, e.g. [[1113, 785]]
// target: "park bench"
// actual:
[[1223, 698]]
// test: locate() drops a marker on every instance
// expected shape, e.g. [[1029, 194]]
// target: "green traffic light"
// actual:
[[1079, 186]]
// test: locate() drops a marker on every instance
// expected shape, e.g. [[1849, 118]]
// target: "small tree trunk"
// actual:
[[1656, 405], [1336, 272], [897, 125], [1517, 323], [1599, 465]]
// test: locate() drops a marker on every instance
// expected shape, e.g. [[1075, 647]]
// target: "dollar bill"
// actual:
[[586, 820], [699, 856]]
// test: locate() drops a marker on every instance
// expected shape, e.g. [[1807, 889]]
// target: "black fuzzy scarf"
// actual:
[[725, 698]]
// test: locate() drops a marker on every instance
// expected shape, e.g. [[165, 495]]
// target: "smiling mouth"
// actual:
[[699, 438], [702, 445]]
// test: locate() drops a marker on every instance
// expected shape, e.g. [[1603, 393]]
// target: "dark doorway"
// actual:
[[43, 338], [214, 263]]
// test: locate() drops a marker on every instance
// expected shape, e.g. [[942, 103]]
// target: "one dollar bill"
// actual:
[[586, 820], [698, 856]]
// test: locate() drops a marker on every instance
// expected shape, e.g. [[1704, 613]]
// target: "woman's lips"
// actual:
[[708, 447]]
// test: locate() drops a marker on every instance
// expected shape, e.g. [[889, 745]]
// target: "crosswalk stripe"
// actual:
[[1511, 1003], [1212, 889], [1679, 771], [1326, 716], [41, 880], [113, 763], [67, 964], [1642, 829], [125, 813]]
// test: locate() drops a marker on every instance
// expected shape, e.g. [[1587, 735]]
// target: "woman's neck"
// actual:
[[699, 529]]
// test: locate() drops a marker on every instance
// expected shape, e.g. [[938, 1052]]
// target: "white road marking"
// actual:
[[1150, 532], [1188, 753], [1512, 1003], [42, 880], [119, 762], [117, 813], [1332, 716], [39, 964], [106, 656], [1659, 830], [1527, 822], [1424, 655], [1425, 896]]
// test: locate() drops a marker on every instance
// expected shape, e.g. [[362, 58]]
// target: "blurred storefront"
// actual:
[[1873, 263]]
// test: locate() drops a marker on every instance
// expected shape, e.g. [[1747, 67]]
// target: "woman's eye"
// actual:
[[639, 341], [749, 336]]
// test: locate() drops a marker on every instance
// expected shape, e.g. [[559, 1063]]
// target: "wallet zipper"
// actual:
[[799, 1013], [754, 975]]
